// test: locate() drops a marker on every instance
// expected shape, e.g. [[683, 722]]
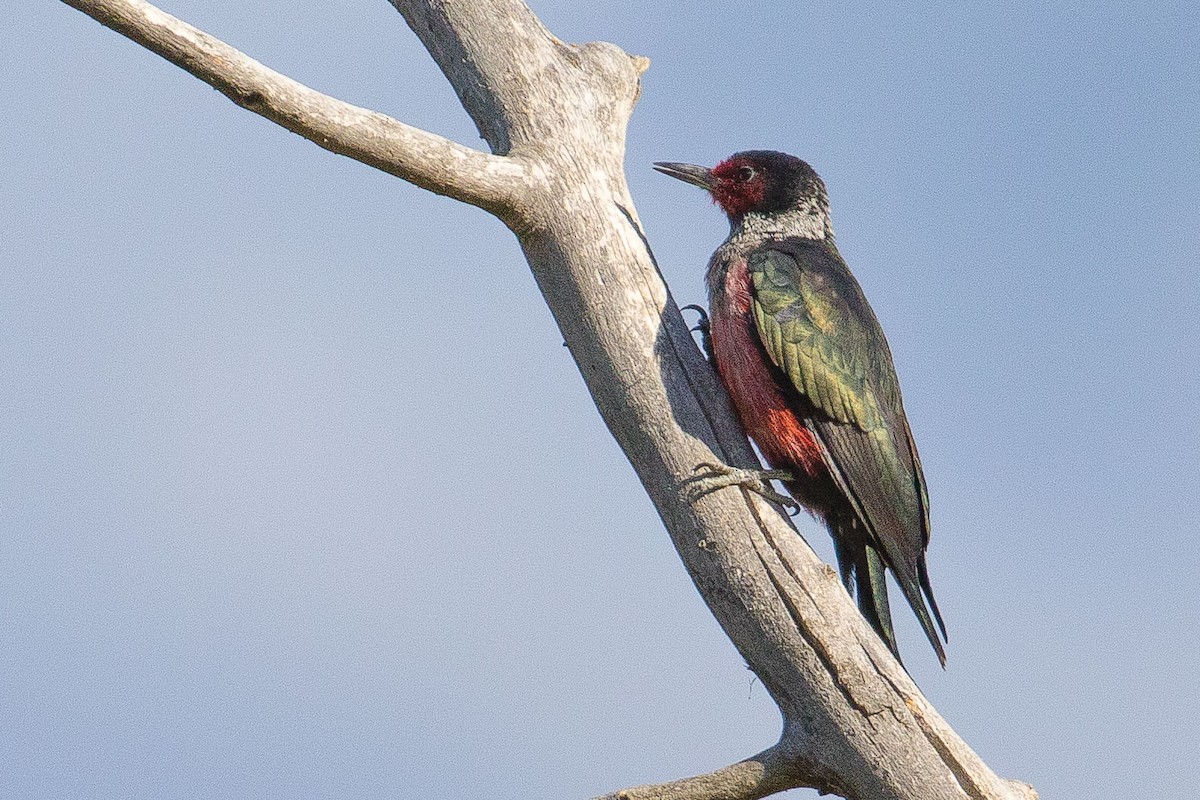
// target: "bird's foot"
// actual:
[[722, 476]]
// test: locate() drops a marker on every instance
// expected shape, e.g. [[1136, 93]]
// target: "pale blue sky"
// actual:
[[301, 495]]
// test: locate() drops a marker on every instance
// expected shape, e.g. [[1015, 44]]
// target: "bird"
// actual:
[[805, 362]]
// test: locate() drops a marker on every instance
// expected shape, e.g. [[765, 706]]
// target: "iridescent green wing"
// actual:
[[817, 328]]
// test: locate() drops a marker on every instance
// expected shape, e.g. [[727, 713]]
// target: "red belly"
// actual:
[[750, 380]]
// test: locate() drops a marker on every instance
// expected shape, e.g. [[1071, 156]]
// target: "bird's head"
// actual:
[[756, 182]]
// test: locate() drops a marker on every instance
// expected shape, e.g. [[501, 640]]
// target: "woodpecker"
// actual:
[[811, 377]]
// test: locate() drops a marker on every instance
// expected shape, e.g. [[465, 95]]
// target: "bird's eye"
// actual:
[[746, 173]]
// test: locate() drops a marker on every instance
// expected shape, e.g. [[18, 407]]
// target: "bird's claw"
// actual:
[[704, 326], [722, 476], [702, 323]]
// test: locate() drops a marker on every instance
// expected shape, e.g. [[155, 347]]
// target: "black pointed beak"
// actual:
[[688, 173]]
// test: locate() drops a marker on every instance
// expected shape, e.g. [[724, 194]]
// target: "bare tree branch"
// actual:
[[422, 158], [773, 770], [854, 722]]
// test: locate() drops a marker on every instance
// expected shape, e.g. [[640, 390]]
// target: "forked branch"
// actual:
[[555, 115]]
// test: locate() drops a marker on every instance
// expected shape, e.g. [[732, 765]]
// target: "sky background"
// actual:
[[301, 495]]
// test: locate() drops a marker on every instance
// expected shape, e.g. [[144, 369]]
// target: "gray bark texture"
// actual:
[[555, 115]]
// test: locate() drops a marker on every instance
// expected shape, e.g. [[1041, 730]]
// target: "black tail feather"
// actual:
[[872, 595], [927, 590], [864, 572]]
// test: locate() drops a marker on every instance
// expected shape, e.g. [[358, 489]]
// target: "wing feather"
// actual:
[[817, 328]]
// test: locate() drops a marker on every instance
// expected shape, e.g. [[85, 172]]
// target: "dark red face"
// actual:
[[755, 181], [739, 184]]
